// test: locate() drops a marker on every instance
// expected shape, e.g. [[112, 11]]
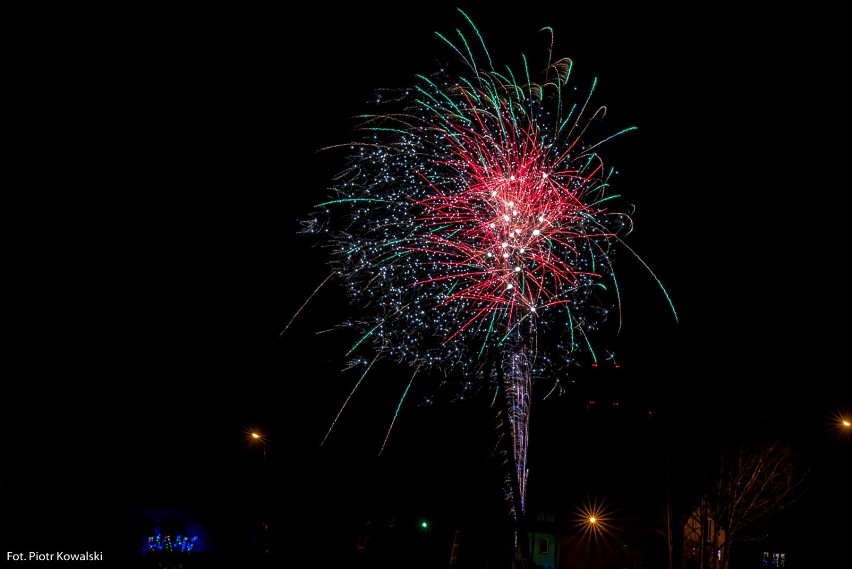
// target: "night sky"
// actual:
[[154, 261]]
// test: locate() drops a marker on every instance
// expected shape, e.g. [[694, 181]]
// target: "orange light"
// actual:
[[594, 519]]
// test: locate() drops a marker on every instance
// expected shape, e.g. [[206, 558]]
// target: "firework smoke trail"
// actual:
[[472, 232]]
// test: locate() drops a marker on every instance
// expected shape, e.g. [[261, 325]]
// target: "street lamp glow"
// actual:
[[594, 519], [840, 423], [594, 524], [256, 438]]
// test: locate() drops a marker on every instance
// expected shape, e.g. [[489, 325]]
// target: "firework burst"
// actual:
[[473, 230]]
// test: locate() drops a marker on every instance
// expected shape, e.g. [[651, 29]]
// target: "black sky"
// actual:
[[154, 261]]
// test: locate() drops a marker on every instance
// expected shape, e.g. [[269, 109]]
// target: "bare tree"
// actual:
[[751, 485], [667, 522]]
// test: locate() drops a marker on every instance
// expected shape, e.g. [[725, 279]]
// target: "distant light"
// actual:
[[594, 519], [846, 423], [255, 436]]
